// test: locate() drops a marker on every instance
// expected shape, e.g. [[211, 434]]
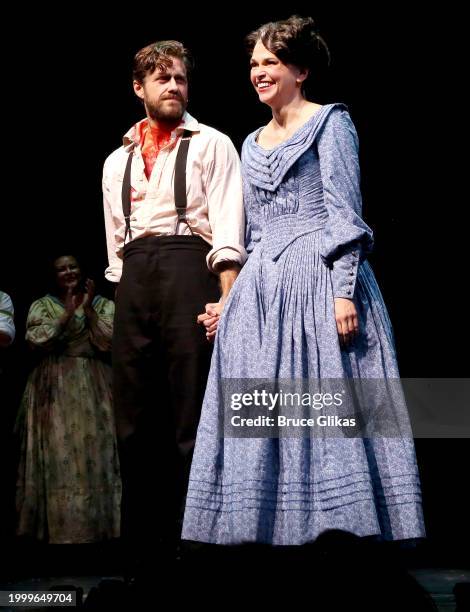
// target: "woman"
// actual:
[[305, 306], [69, 487]]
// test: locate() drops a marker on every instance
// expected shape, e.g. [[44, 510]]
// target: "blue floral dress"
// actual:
[[308, 245]]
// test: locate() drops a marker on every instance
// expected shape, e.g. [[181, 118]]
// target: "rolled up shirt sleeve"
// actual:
[[225, 205], [114, 270]]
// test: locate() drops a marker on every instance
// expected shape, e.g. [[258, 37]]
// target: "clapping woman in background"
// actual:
[[69, 487]]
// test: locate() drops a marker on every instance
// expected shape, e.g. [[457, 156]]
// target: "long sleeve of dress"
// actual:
[[346, 237], [101, 326]]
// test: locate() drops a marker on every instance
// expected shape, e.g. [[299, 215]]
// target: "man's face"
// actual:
[[165, 92]]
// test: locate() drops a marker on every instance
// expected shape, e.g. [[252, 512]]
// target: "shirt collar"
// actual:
[[131, 138]]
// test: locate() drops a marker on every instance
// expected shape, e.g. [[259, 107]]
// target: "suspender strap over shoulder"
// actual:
[[181, 201], [126, 196]]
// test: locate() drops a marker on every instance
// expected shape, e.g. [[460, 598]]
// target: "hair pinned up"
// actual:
[[294, 41]]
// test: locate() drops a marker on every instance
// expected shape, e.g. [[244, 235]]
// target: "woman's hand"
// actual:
[[347, 322], [70, 303], [70, 306], [88, 296], [210, 319]]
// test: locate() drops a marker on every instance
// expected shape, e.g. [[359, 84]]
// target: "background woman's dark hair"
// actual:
[[294, 41]]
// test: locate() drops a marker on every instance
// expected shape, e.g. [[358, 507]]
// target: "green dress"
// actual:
[[69, 486]]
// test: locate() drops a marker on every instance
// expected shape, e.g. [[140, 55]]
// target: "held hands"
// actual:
[[347, 322], [210, 319]]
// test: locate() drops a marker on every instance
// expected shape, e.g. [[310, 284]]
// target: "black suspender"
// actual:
[[126, 196], [181, 201]]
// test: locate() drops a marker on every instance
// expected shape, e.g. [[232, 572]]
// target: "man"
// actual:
[[7, 473], [174, 226], [7, 326]]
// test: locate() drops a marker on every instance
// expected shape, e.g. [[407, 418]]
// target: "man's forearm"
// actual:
[[228, 272]]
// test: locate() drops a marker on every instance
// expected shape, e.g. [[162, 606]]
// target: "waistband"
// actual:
[[160, 243], [281, 232]]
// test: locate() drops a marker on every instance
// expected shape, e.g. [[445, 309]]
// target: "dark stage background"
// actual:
[[68, 101]]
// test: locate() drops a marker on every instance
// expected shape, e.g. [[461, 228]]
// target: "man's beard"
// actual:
[[163, 114]]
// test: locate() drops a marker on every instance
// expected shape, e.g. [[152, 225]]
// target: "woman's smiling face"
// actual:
[[67, 272], [276, 83]]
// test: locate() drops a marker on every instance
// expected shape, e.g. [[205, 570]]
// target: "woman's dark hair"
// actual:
[[294, 41]]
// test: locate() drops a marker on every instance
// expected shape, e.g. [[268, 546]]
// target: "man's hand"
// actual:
[[228, 272], [210, 319]]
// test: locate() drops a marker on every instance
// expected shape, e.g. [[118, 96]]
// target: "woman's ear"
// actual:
[[303, 74]]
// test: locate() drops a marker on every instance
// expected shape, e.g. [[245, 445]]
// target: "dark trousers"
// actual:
[[161, 359]]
